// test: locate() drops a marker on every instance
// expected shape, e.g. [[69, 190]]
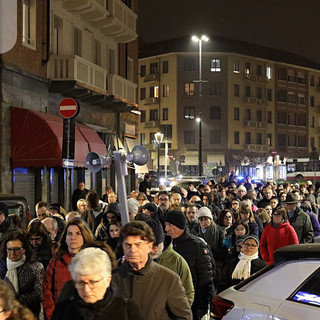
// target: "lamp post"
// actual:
[[158, 137], [199, 40]]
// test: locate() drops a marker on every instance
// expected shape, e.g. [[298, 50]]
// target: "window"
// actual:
[[292, 141], [142, 138], [236, 90], [292, 97], [291, 76], [302, 141], [57, 33], [236, 66], [130, 69], [312, 81], [312, 101], [215, 113], [268, 72], [301, 98], [165, 67], [97, 53], [302, 77], [269, 139], [269, 94], [248, 114], [143, 70], [259, 115], [282, 96], [269, 116], [154, 68], [154, 92], [77, 42], [312, 142], [312, 122], [112, 61], [259, 69], [215, 88], [291, 119], [165, 90], [282, 140], [282, 117], [189, 89], [189, 113], [29, 22], [247, 91], [143, 116], [215, 65], [282, 74], [189, 137], [215, 137], [259, 138], [189, 64], [248, 138], [154, 115], [165, 114], [247, 68], [142, 93], [302, 120], [151, 137], [236, 137], [259, 92], [236, 114]]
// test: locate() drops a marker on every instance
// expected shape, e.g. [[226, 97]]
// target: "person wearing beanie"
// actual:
[[149, 208], [198, 255], [7, 224], [133, 208], [241, 191]]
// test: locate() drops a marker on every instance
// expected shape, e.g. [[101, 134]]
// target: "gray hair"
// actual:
[[90, 261]]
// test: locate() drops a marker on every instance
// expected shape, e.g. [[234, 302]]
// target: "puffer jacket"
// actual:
[[302, 225]]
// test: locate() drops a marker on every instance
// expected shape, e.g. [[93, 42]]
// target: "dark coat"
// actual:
[[160, 216], [157, 290], [77, 195], [302, 225], [110, 307]]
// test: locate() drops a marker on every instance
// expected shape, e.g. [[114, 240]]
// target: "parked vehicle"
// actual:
[[287, 290]]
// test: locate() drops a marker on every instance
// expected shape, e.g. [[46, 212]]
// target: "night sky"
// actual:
[[289, 25]]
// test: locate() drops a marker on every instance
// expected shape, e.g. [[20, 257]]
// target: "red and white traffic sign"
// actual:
[[68, 108]]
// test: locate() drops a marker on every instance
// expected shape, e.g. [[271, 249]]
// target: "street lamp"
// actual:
[[158, 137], [199, 40]]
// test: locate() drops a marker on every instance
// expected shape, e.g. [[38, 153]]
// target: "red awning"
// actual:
[[36, 140], [94, 141]]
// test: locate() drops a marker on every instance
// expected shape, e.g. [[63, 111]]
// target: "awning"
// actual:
[[131, 143], [36, 140]]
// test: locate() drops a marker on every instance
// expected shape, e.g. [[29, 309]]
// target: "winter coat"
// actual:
[[198, 255], [77, 195], [302, 225], [157, 290], [44, 253], [274, 238], [110, 307], [56, 275], [30, 278], [7, 227], [175, 262]]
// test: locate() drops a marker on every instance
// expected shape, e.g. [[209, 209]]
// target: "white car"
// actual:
[[287, 290]]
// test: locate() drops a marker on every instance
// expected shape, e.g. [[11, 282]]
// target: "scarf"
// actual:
[[243, 268], [12, 274]]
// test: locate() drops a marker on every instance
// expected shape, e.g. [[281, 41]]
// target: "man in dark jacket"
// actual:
[[157, 290], [164, 205], [198, 255], [78, 194], [145, 184]]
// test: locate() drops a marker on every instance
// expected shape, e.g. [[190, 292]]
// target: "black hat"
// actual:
[[157, 229], [150, 207], [55, 206], [176, 189], [291, 198], [4, 209], [177, 218]]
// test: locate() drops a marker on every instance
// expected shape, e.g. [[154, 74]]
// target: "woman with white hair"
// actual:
[[92, 297]]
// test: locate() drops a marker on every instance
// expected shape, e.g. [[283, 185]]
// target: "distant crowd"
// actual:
[[180, 248]]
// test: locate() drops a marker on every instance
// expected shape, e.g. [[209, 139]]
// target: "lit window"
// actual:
[[189, 113], [189, 89], [269, 73], [215, 65], [236, 66], [29, 22]]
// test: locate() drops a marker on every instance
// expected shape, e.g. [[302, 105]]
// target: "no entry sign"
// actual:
[[68, 108]]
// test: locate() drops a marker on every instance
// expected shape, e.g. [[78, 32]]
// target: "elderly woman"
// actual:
[[10, 306], [277, 234], [75, 235], [93, 297], [23, 270]]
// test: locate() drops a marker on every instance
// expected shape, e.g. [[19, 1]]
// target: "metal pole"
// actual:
[[165, 159], [158, 162], [200, 107], [68, 176]]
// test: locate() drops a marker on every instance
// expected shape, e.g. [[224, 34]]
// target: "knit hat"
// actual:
[[150, 207], [204, 212], [242, 188], [133, 205], [251, 236], [157, 229], [4, 209], [177, 218]]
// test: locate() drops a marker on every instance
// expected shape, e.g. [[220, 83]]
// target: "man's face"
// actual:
[[291, 206], [164, 203], [81, 186], [204, 222], [191, 214], [136, 251], [42, 213], [268, 193], [176, 199], [2, 217], [112, 198], [174, 231], [207, 189], [194, 199], [49, 226]]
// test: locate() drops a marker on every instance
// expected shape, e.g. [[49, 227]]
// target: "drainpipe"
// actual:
[[47, 43]]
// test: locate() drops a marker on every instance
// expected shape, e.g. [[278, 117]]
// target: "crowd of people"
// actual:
[[180, 248]]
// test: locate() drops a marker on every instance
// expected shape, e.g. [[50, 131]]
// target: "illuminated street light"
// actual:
[[158, 137]]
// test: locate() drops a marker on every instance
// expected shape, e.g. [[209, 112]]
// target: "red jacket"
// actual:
[[274, 238], [61, 275]]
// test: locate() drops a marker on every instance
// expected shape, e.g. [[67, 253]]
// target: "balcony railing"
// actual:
[[256, 147], [151, 100], [64, 68], [151, 124], [121, 87], [151, 77], [255, 124]]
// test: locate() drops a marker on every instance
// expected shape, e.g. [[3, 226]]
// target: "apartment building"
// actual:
[[86, 50], [256, 103]]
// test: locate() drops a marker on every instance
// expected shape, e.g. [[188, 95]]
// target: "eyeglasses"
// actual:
[[91, 283], [248, 245], [10, 250]]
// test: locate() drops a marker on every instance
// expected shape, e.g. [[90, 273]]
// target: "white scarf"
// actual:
[[243, 268], [12, 274]]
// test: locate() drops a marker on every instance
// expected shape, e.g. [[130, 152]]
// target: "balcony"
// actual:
[[262, 78], [121, 88], [151, 124], [151, 77], [256, 147], [113, 19], [250, 76], [151, 100], [255, 124], [250, 99]]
